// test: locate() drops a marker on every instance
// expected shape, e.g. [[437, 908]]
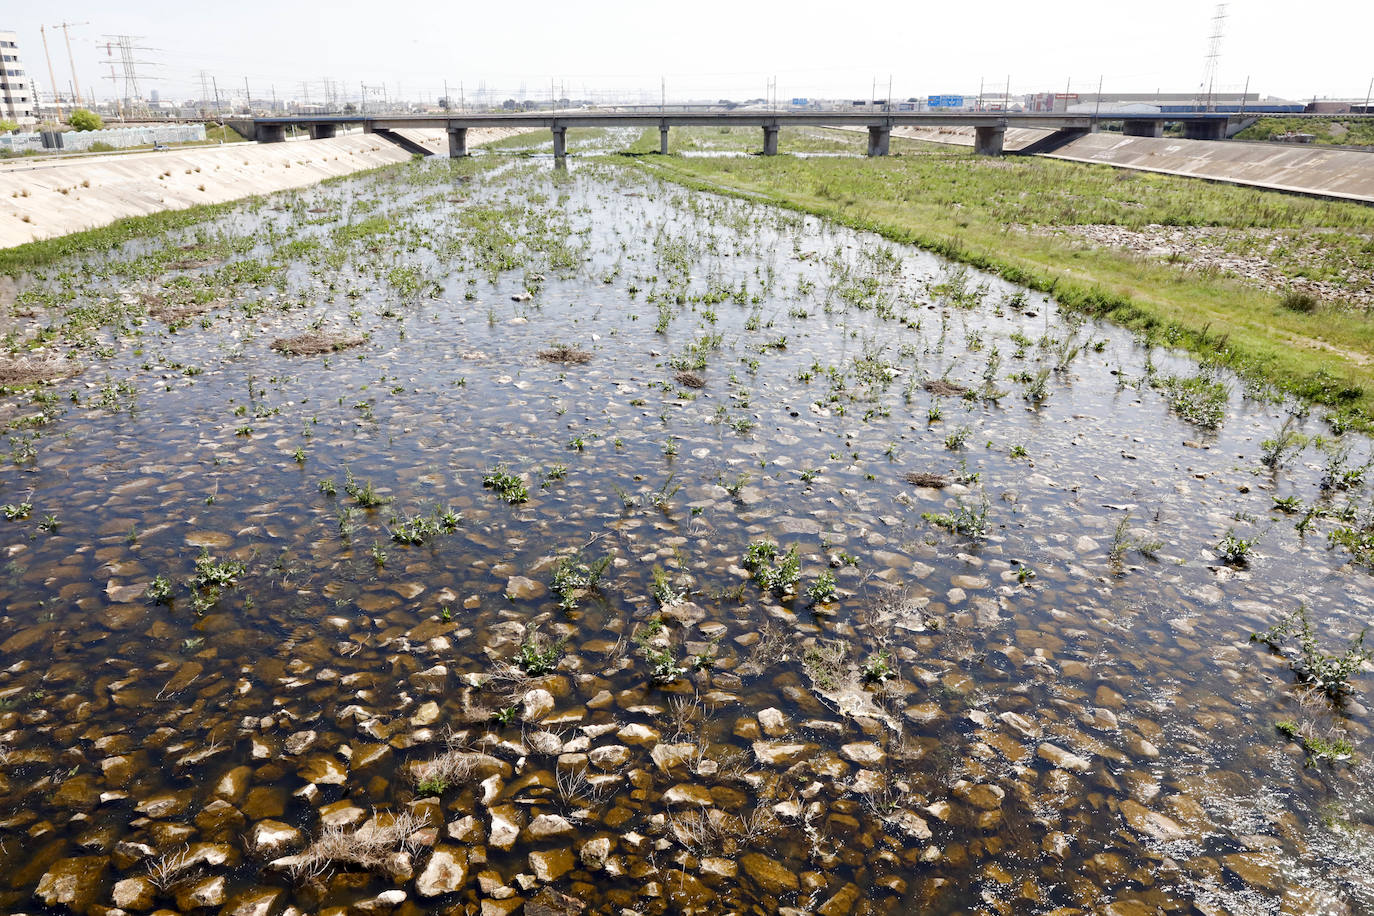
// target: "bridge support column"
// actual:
[[878, 140], [987, 140], [770, 141], [322, 131], [1142, 128], [271, 133], [1212, 129], [457, 142], [560, 141], [663, 139]]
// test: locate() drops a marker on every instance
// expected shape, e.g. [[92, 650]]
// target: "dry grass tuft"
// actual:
[[21, 370], [313, 343], [438, 774], [368, 846], [565, 354], [945, 389], [926, 479], [690, 380]]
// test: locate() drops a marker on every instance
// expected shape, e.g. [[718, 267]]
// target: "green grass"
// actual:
[[1325, 131], [978, 210]]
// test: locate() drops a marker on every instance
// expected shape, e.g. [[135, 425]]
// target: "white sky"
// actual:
[[708, 48]]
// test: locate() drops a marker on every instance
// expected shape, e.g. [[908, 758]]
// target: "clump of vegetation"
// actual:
[[1328, 673], [439, 774], [18, 511], [1300, 300], [823, 589], [773, 572], [417, 529], [1330, 748], [159, 590], [313, 343], [878, 668], [1287, 442], [970, 521], [508, 486], [573, 578], [562, 353], [1235, 550], [539, 655], [663, 590], [363, 494], [1197, 399], [369, 846]]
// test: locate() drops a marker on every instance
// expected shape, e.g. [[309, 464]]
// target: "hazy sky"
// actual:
[[708, 48]]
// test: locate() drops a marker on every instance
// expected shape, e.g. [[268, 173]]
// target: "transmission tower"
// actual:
[[124, 46], [1209, 73]]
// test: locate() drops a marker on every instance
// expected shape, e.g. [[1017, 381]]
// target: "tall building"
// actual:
[[17, 102]]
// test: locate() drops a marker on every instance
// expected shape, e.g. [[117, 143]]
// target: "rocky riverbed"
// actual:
[[482, 537]]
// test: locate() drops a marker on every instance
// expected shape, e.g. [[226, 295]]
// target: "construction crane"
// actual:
[[71, 61]]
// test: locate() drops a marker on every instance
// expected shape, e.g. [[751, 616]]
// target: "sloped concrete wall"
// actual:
[[40, 200], [1345, 174]]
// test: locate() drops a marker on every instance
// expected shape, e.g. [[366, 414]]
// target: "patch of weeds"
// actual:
[[1286, 444], [823, 589], [538, 655], [1233, 550], [773, 572], [18, 511], [159, 590], [417, 529], [1318, 747], [1197, 399], [969, 521], [1328, 673], [363, 494], [508, 486], [573, 578], [878, 668], [663, 590]]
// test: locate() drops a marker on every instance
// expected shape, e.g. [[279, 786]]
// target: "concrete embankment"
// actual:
[[1319, 171], [40, 200]]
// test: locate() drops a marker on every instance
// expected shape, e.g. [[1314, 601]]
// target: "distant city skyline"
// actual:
[[715, 50]]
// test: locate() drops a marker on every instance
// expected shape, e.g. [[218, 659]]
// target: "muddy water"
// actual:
[[1055, 710]]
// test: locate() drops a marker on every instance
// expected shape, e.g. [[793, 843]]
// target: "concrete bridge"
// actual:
[[989, 127]]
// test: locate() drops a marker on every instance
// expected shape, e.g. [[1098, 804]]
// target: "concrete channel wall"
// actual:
[[40, 200], [1339, 173]]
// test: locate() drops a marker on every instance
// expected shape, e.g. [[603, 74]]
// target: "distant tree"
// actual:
[[6, 125], [82, 119], [350, 108]]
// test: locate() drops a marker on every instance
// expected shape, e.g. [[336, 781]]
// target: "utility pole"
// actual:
[[247, 97], [1098, 105], [219, 114], [979, 105], [446, 102], [1006, 96], [1243, 95], [52, 80], [1367, 93]]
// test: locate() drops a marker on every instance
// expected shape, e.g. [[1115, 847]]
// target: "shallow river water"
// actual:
[[280, 633]]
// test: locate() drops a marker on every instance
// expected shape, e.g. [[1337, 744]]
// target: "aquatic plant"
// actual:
[[1328, 673], [823, 589], [539, 655], [573, 577], [508, 486], [1235, 550]]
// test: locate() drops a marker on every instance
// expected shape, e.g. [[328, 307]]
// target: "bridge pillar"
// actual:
[[457, 142], [1138, 128], [987, 139], [560, 141], [878, 140], [663, 139], [322, 131], [1211, 129], [770, 140], [271, 133]]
